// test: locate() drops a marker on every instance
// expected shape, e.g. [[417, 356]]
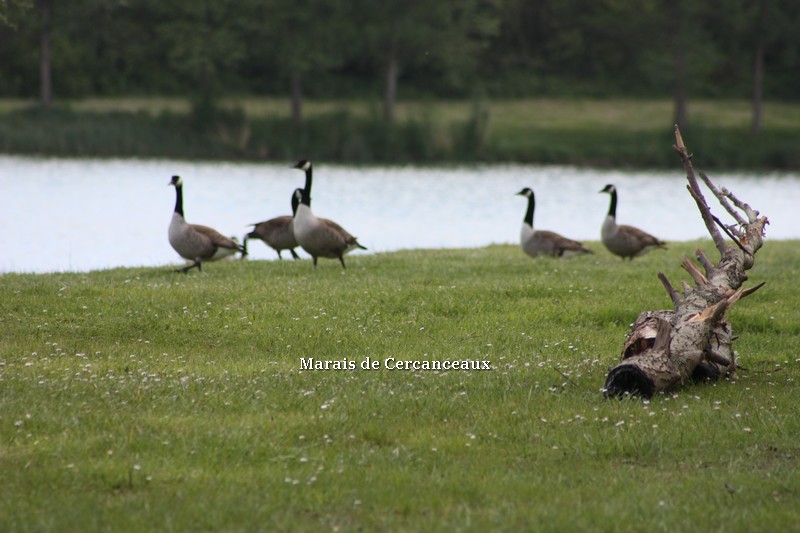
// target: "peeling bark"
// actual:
[[693, 341]]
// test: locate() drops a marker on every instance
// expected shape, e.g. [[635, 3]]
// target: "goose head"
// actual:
[[610, 189], [297, 198], [303, 164], [176, 181], [526, 192]]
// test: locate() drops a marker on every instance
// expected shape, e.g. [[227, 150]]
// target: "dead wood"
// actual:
[[693, 341]]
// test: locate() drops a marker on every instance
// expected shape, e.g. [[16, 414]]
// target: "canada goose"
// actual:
[[277, 233], [319, 237], [193, 241], [541, 242], [625, 241]]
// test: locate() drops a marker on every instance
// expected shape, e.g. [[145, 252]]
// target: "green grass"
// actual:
[[614, 132], [141, 400]]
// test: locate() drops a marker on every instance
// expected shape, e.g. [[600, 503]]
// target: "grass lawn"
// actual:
[[587, 132], [513, 114], [144, 400]]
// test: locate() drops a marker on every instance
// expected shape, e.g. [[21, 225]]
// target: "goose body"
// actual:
[[320, 237], [277, 233], [622, 240], [541, 242], [195, 242]]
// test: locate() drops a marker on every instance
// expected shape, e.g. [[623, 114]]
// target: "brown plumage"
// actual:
[[277, 233], [542, 242], [195, 242], [320, 237], [625, 241]]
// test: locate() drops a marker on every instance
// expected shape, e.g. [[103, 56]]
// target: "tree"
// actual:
[[46, 60], [203, 45], [766, 22], [679, 34], [301, 38], [444, 36]]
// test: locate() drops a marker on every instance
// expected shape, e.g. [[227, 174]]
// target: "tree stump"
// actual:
[[693, 341]]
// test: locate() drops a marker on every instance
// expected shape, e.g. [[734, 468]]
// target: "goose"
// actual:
[[319, 237], [277, 233], [541, 242], [625, 241], [195, 242]]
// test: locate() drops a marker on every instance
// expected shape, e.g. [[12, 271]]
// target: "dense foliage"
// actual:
[[453, 48]]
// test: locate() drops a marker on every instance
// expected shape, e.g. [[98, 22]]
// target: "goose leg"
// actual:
[[294, 254], [186, 269], [341, 260]]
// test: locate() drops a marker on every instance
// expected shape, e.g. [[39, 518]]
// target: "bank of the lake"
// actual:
[[615, 133]]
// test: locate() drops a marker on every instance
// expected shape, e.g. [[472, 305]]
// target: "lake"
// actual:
[[79, 215]]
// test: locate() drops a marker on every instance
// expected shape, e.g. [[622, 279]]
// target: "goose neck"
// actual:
[[612, 208], [307, 189], [179, 200], [529, 213]]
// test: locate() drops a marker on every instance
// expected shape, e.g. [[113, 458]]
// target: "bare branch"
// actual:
[[751, 290], [694, 272], [707, 265], [708, 220], [752, 214], [687, 289], [730, 234], [721, 196], [673, 294]]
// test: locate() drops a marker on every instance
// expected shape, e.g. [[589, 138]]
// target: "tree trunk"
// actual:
[[45, 61], [681, 113], [668, 348], [392, 72], [758, 80], [679, 65], [758, 67], [297, 98]]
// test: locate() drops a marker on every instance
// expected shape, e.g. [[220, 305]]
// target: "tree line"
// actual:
[[204, 49]]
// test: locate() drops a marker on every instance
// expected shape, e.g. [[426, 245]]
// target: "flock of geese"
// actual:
[[321, 237]]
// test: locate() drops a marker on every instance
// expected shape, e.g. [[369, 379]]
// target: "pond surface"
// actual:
[[79, 215]]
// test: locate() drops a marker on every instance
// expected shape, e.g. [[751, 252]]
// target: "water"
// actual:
[[79, 215]]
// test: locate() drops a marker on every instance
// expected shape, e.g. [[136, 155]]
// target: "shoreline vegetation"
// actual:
[[138, 397], [585, 132]]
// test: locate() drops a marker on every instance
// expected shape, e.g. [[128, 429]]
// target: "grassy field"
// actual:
[[621, 132], [507, 115], [142, 400]]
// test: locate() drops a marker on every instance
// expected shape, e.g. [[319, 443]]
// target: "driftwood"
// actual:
[[692, 341]]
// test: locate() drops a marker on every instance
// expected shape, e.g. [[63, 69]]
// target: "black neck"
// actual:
[[612, 209], [179, 199], [307, 190], [529, 213]]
